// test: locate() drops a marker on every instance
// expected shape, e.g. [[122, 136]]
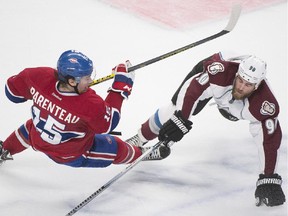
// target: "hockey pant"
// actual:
[[101, 154]]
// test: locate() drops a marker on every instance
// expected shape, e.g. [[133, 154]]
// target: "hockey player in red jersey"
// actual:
[[70, 123], [239, 87]]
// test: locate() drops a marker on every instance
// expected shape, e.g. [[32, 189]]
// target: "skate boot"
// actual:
[[4, 154], [137, 140], [158, 154]]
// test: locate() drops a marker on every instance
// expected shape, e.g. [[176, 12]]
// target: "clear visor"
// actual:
[[92, 76]]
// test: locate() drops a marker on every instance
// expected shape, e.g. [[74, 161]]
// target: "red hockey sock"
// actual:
[[126, 153], [15, 143], [147, 132]]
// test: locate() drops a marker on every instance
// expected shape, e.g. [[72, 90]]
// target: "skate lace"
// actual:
[[135, 140], [153, 155]]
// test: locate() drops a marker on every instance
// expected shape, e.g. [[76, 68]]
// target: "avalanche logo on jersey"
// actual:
[[215, 68], [267, 108]]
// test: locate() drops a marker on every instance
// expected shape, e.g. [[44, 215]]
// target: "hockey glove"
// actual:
[[123, 81], [269, 191], [175, 128]]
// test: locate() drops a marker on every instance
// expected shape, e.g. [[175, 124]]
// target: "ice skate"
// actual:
[[158, 154], [136, 140], [4, 154]]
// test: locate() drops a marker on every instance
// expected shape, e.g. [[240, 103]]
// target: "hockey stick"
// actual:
[[115, 178], [234, 16]]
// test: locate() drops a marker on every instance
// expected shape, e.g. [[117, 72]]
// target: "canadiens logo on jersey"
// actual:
[[267, 108], [215, 68]]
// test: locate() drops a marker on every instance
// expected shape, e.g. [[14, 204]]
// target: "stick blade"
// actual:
[[235, 14]]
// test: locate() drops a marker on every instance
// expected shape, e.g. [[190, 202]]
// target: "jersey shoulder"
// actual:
[[221, 72], [18, 87], [37, 77], [262, 103]]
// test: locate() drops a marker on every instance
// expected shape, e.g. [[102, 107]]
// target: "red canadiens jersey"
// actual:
[[64, 124], [260, 108]]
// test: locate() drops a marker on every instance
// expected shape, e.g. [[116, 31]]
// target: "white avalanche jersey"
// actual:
[[213, 78]]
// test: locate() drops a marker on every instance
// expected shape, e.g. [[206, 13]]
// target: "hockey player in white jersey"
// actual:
[[241, 91]]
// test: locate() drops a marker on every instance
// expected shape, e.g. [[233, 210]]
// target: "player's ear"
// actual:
[[72, 82]]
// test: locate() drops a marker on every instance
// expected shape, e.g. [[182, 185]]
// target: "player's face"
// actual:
[[242, 88], [84, 84]]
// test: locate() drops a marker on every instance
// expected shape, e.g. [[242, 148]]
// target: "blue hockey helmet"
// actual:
[[74, 64]]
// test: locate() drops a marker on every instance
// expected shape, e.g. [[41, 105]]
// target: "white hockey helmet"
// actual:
[[252, 69]]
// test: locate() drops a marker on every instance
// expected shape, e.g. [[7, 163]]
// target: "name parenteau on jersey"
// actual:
[[52, 108]]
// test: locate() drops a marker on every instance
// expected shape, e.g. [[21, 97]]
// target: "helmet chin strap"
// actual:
[[76, 88], [77, 79], [257, 85]]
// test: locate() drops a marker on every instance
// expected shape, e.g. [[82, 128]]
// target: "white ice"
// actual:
[[212, 171]]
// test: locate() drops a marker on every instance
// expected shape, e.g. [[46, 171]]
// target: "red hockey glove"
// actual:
[[269, 191], [123, 81]]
